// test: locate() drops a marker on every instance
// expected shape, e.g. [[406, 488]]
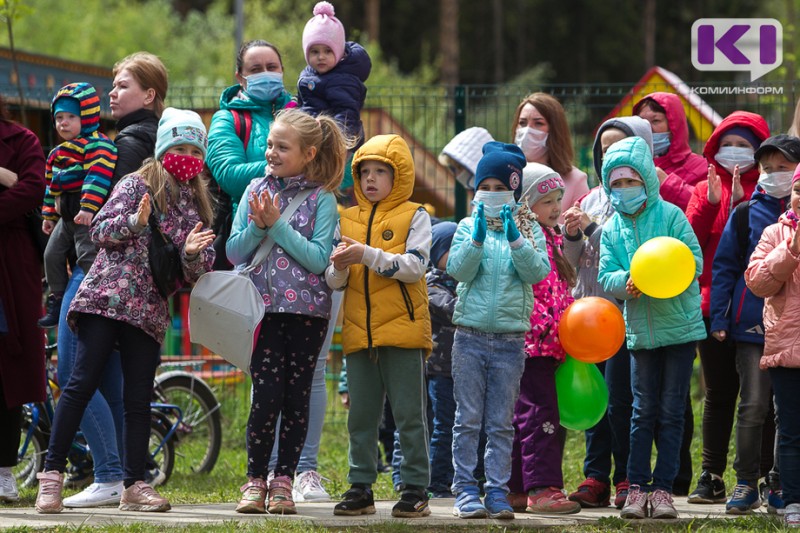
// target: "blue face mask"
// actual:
[[264, 87], [628, 200], [661, 143]]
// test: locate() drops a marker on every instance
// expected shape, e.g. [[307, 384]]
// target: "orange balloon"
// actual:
[[592, 329]]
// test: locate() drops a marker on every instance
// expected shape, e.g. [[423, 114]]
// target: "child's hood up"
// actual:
[[632, 126], [392, 150], [635, 153], [89, 103]]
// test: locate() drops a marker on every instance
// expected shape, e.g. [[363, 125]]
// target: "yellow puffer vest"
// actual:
[[381, 311]]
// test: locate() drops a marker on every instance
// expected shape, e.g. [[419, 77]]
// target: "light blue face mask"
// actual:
[[493, 201], [661, 143], [264, 87], [628, 200]]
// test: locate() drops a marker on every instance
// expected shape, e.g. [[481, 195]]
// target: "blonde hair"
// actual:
[[164, 189], [324, 134], [149, 72], [794, 129], [559, 142]]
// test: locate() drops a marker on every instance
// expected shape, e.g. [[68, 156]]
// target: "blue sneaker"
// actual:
[[468, 504], [745, 498], [497, 505], [775, 503]]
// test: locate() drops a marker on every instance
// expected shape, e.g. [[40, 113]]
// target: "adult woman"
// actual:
[[21, 342], [137, 100], [236, 155], [541, 130]]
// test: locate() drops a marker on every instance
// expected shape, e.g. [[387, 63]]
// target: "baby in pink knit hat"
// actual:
[[333, 81]]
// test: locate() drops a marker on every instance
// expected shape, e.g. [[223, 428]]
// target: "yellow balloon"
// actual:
[[663, 267]]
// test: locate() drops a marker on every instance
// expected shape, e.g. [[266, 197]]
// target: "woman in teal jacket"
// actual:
[[257, 97], [660, 332]]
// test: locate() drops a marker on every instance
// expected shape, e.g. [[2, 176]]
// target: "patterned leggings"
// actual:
[[282, 369]]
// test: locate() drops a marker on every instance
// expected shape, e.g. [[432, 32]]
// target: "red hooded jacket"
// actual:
[[709, 220], [683, 167]]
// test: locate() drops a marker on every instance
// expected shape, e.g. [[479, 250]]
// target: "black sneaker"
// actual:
[[710, 489], [413, 504], [50, 320], [355, 502]]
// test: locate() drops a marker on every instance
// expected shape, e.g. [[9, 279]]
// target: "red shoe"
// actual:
[[518, 501], [622, 493], [550, 500], [592, 493]]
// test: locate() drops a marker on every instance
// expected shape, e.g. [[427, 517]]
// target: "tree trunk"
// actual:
[[374, 21], [448, 41], [497, 40], [649, 34], [18, 77]]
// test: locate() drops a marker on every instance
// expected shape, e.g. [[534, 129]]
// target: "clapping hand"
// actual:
[[264, 212], [479, 227], [509, 226], [144, 210], [348, 252], [794, 245], [714, 186], [198, 240], [737, 191]]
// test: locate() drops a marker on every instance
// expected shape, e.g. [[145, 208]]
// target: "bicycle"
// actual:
[[37, 422]]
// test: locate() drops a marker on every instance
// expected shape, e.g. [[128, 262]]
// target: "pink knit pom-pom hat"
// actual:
[[324, 28]]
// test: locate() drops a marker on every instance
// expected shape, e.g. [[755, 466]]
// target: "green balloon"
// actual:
[[582, 394]]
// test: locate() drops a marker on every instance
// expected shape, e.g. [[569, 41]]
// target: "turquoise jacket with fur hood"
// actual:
[[649, 322]]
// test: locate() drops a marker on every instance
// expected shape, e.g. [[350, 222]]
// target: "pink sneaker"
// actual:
[[550, 500], [280, 496], [48, 501], [254, 492], [142, 497]]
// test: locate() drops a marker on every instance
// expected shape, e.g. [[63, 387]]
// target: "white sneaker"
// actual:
[[97, 495], [155, 477], [308, 487], [8, 486]]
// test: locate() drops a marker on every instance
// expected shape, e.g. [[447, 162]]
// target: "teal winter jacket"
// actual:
[[495, 289], [649, 322], [234, 166]]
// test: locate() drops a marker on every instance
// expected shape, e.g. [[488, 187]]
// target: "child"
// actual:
[[773, 275], [736, 313], [732, 177], [78, 174], [536, 479], [386, 335], [495, 257], [442, 301], [583, 230], [333, 81], [660, 332], [462, 154], [302, 153], [119, 306]]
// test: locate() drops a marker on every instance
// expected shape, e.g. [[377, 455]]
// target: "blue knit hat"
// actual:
[[504, 162], [180, 126], [441, 239], [67, 104]]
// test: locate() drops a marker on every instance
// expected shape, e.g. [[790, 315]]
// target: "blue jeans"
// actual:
[[785, 383], [318, 401], [486, 371], [660, 381], [105, 408], [755, 392], [611, 436], [440, 391]]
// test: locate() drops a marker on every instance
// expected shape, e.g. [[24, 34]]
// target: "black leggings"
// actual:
[[282, 369], [10, 422]]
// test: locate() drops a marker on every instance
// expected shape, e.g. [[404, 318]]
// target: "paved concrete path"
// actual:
[[320, 514]]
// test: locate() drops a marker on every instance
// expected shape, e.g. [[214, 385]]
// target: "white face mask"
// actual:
[[532, 142], [493, 201], [730, 156], [777, 184]]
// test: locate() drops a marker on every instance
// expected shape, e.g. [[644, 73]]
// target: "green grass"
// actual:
[[222, 485]]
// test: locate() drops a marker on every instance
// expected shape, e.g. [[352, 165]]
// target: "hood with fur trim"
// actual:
[[89, 103], [392, 150]]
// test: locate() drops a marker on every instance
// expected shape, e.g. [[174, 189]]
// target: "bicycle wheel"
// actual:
[[33, 448], [161, 448], [199, 435]]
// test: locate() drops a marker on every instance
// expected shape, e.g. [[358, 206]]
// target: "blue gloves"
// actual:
[[479, 228], [510, 227]]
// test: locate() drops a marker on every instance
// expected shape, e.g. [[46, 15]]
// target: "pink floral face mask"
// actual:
[[183, 167]]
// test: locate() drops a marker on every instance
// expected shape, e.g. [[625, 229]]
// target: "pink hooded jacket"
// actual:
[[683, 167], [773, 275], [551, 297]]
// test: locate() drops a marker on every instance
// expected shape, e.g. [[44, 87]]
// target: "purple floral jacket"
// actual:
[[551, 297], [120, 284]]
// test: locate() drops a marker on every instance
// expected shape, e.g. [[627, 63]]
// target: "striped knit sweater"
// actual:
[[85, 164]]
